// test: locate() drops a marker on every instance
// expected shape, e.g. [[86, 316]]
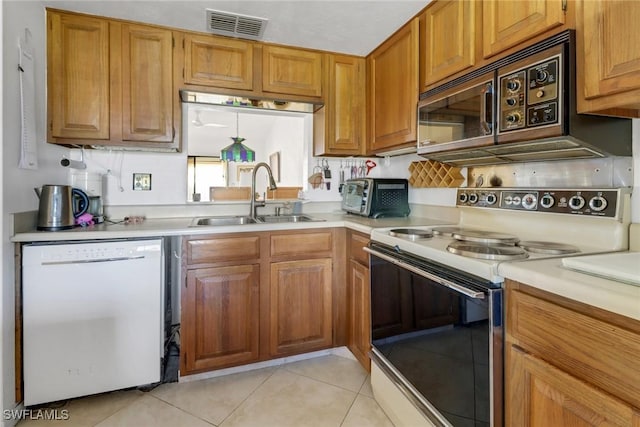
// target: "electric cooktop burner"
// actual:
[[548, 248], [411, 233], [486, 237], [448, 231], [488, 252]]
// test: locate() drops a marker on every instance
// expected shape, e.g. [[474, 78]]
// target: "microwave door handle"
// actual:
[[486, 114], [453, 286]]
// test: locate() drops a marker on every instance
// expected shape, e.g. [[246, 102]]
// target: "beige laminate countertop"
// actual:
[[550, 275], [156, 227]]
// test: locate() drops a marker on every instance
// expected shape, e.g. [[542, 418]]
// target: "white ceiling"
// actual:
[[346, 26]]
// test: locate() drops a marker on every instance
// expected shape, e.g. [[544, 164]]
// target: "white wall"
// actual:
[[17, 184]]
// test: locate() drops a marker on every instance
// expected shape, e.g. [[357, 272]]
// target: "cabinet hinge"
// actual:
[[564, 5]]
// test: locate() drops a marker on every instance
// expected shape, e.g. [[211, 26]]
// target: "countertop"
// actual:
[[155, 227], [550, 275]]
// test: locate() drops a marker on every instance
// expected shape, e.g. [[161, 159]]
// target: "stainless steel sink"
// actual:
[[287, 218], [222, 220]]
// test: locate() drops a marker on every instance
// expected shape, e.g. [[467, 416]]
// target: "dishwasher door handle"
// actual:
[[92, 261]]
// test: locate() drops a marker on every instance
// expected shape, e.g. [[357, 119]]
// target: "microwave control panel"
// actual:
[[530, 97]]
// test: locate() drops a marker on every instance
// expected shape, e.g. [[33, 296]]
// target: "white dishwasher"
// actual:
[[92, 317]]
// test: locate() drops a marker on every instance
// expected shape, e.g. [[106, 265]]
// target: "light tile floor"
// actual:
[[323, 391]]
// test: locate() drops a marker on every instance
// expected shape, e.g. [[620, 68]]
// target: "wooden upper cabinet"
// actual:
[[217, 61], [393, 90], [339, 126], [608, 55], [147, 95], [448, 39], [508, 23], [290, 71], [109, 83], [77, 77]]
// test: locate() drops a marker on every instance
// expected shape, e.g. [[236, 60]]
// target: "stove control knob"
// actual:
[[491, 199], [598, 203], [529, 201], [463, 198], [473, 198], [516, 200], [547, 201], [576, 202], [508, 200]]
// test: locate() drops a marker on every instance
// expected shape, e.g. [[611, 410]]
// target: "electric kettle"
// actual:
[[59, 207]]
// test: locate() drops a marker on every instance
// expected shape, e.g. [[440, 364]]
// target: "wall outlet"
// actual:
[[142, 181]]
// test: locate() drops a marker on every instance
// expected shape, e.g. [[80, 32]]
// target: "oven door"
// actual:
[[458, 117], [437, 334]]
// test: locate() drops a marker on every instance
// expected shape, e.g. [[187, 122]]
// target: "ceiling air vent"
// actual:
[[235, 25]]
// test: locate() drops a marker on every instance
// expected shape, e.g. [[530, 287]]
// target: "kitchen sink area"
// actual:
[[241, 220], [287, 218]]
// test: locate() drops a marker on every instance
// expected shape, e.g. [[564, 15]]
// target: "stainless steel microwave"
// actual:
[[376, 197], [522, 107]]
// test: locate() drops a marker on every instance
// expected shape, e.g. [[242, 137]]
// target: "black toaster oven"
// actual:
[[376, 197]]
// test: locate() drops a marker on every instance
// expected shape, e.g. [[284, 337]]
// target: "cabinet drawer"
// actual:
[[201, 251], [356, 243], [590, 349], [301, 243]]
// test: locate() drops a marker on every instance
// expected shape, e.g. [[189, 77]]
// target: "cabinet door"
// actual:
[[77, 77], [359, 338], [608, 54], [507, 23], [217, 61], [220, 317], [300, 306], [541, 395], [147, 89], [339, 127], [393, 68], [444, 53], [291, 71]]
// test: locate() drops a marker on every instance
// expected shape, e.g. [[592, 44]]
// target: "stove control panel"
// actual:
[[591, 202]]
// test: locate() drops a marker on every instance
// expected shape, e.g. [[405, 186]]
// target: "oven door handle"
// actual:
[[444, 282]]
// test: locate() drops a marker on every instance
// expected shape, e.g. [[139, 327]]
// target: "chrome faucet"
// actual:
[[272, 186]]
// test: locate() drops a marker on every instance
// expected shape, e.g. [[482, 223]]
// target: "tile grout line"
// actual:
[[349, 409], [182, 410], [277, 368], [121, 409]]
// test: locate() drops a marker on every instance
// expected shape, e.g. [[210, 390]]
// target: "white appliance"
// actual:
[[92, 317], [433, 275]]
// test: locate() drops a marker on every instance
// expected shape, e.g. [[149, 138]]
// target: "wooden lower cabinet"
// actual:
[[249, 297], [220, 321], [358, 295], [542, 395], [300, 306], [567, 363]]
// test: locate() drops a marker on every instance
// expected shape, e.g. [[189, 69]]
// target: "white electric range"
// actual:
[[506, 225], [437, 299]]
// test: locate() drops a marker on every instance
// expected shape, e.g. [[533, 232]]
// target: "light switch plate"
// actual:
[[142, 181]]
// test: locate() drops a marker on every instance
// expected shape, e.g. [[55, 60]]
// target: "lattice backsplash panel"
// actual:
[[433, 174]]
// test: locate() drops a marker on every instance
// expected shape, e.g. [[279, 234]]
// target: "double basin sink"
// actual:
[[241, 220]]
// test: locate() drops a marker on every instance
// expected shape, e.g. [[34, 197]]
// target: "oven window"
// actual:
[[436, 338]]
